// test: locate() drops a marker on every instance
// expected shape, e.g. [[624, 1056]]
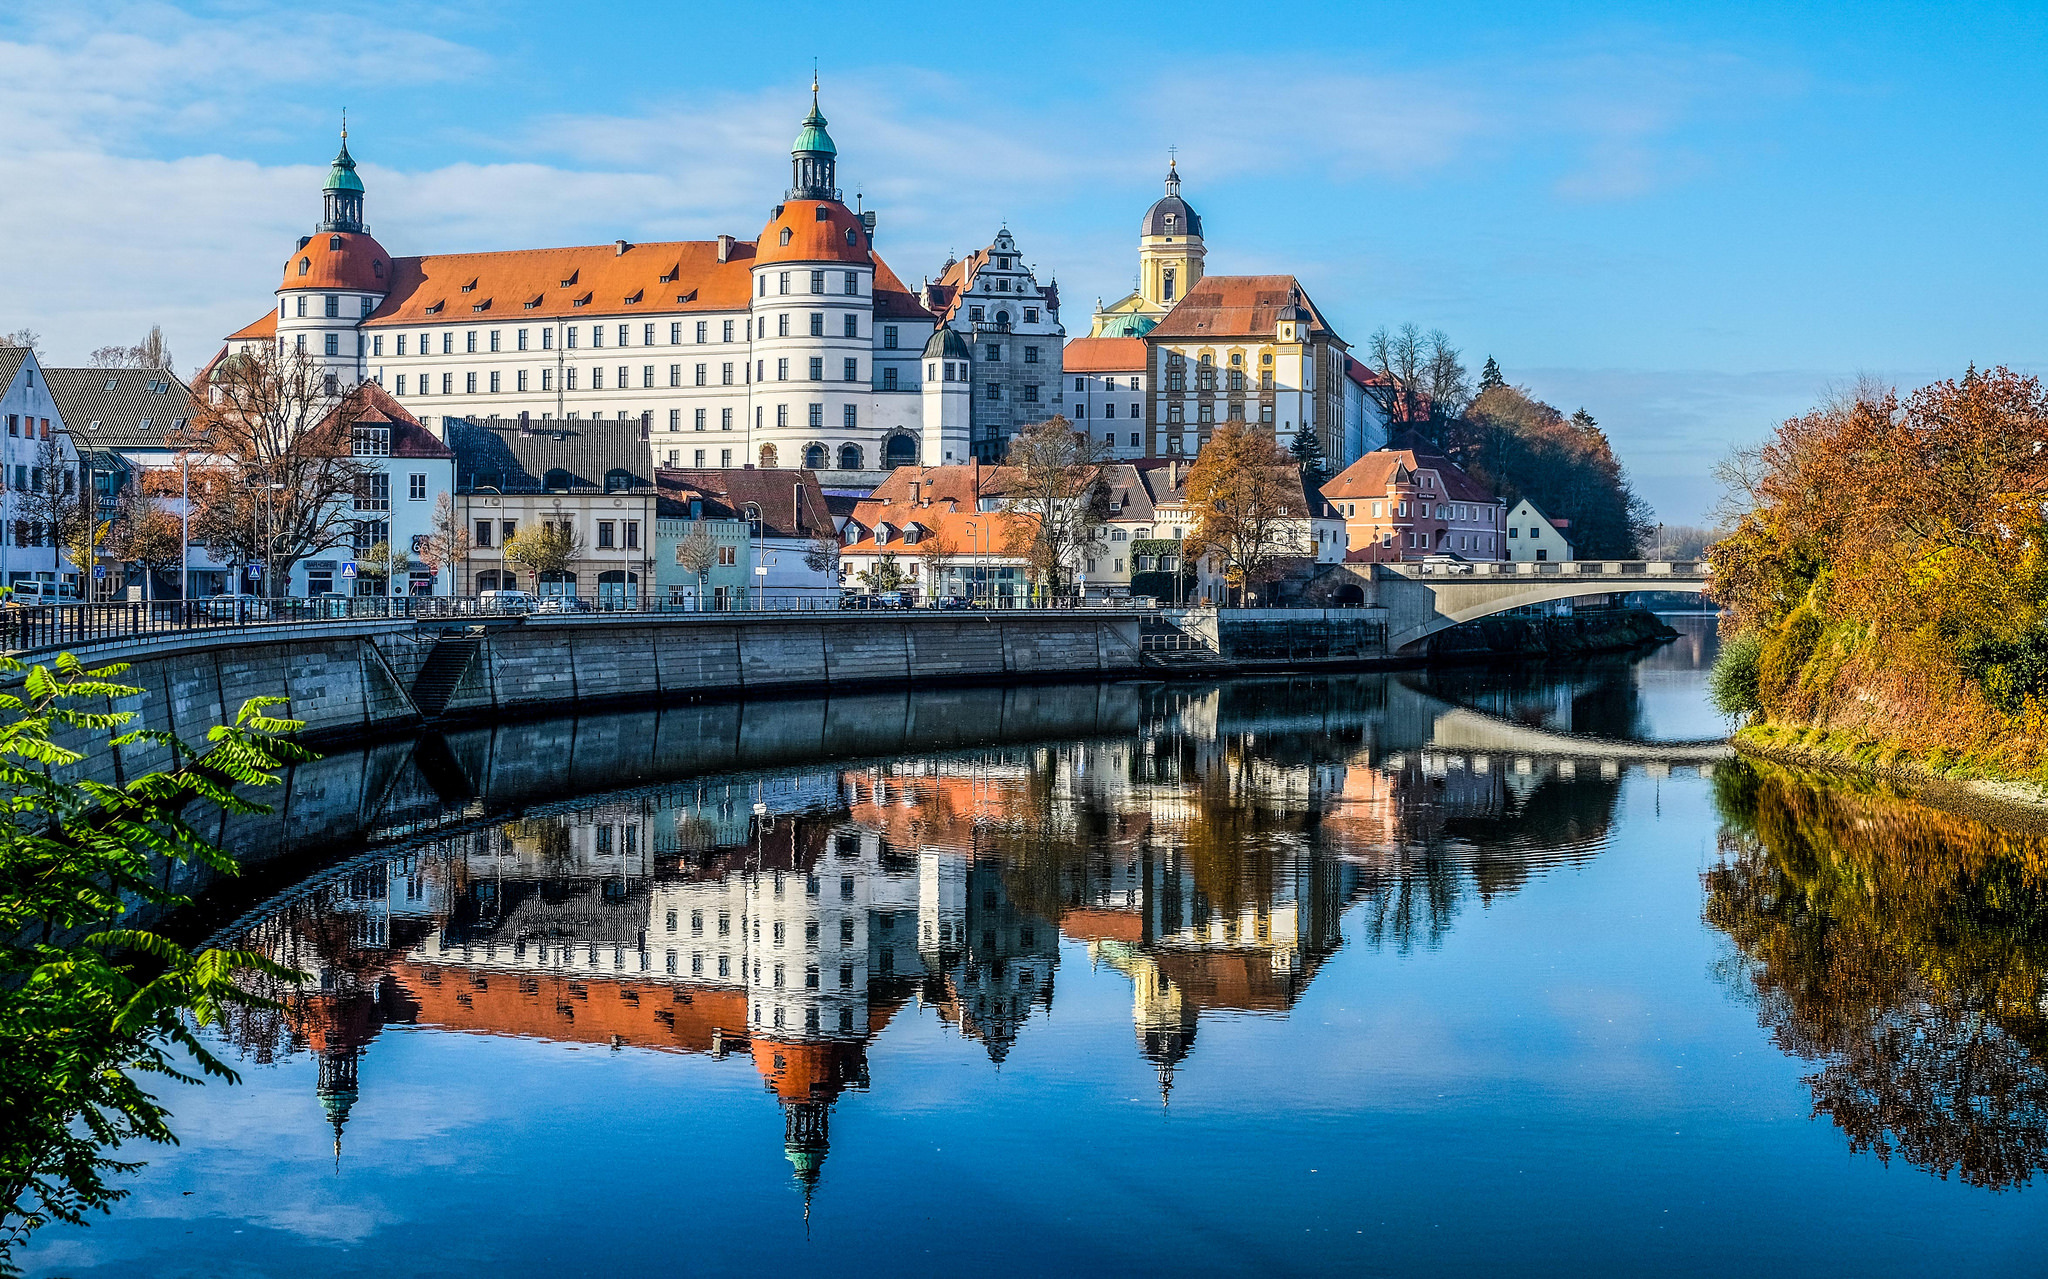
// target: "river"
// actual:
[[1344, 974]]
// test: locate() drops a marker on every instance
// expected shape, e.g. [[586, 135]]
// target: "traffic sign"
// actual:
[[99, 570], [255, 571], [348, 568]]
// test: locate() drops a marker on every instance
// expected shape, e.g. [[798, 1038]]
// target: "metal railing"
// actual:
[[1549, 568]]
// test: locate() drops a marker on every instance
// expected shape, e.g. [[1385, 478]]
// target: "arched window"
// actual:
[[1002, 319], [817, 457], [768, 457], [900, 451], [487, 580], [556, 480], [305, 265], [333, 242], [785, 235], [849, 457], [377, 268]]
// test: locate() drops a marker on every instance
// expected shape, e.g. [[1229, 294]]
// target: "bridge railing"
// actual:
[[1495, 569]]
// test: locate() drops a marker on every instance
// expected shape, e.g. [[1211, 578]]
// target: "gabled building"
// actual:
[[1532, 535], [1409, 501], [946, 531], [591, 476], [122, 422], [41, 473], [776, 521], [1011, 325]]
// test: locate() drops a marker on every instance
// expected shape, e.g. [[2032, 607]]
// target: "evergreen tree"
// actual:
[[1585, 421], [1489, 377], [1309, 456]]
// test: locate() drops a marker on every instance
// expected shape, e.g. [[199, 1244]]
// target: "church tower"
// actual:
[[1170, 258], [1170, 248]]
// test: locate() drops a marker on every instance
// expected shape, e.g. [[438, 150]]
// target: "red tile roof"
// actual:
[[263, 328], [819, 231], [339, 260], [1105, 355], [1371, 475], [1236, 306]]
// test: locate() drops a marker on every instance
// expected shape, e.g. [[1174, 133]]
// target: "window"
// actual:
[[416, 487], [852, 325], [469, 384], [852, 369], [331, 306], [888, 379], [604, 535], [1031, 355], [818, 324], [817, 368], [782, 369], [782, 325], [596, 336], [547, 379], [816, 416], [725, 458], [372, 441], [852, 285], [1031, 393], [725, 419], [401, 384], [817, 281], [850, 416], [647, 375], [974, 315], [995, 390], [596, 377], [483, 534], [725, 373], [888, 337], [995, 352]]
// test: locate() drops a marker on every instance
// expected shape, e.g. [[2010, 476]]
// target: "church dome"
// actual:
[[812, 137], [1131, 325], [1171, 215], [339, 260]]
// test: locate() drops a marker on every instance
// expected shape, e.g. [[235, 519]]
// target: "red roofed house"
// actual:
[[917, 510], [1106, 392], [799, 348], [1409, 501]]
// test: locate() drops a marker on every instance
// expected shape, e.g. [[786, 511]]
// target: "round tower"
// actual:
[[812, 323], [332, 281]]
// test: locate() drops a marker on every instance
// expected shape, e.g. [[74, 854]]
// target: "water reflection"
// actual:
[[1902, 950], [789, 917]]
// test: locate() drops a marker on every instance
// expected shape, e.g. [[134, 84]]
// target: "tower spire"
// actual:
[[343, 191]]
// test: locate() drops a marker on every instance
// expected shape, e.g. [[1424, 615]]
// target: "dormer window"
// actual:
[[849, 235], [785, 235], [470, 287], [377, 268], [334, 242], [305, 265], [113, 383], [634, 296], [435, 307], [582, 301], [669, 276], [570, 283], [824, 214], [533, 301], [484, 305]]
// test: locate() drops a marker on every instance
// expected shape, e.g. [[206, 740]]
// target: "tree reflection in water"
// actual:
[[1902, 949]]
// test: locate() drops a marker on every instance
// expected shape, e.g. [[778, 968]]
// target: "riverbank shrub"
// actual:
[[1887, 558], [1732, 685], [95, 1012]]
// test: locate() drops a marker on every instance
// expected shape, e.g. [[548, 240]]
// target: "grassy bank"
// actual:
[[1971, 788]]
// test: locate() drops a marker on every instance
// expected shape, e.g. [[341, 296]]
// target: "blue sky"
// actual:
[[1692, 221]]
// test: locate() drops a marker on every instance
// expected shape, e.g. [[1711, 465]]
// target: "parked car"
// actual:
[[504, 602], [562, 604], [892, 599], [238, 608], [950, 602]]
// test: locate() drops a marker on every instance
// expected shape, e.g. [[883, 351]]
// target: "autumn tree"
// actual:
[[146, 535], [1249, 506], [446, 545], [1053, 481], [544, 548], [1519, 447], [271, 444]]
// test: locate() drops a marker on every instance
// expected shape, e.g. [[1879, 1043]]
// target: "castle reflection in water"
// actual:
[[1211, 855]]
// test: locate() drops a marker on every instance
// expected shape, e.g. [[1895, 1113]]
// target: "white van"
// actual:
[[504, 602], [28, 593]]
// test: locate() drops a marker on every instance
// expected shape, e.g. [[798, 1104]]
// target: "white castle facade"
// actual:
[[799, 348]]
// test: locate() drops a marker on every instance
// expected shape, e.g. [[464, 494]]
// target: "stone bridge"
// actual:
[[1422, 599]]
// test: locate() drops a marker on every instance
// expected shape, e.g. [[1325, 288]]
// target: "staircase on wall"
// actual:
[[441, 674]]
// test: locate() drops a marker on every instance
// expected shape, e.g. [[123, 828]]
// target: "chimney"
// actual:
[[646, 424], [724, 248], [619, 249], [525, 424]]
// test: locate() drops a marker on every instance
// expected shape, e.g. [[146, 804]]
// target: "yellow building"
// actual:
[[1170, 254]]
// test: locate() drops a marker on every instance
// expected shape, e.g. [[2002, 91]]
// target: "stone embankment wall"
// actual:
[[357, 679]]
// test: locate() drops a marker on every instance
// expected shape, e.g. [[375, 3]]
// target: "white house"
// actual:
[[37, 458], [1532, 535]]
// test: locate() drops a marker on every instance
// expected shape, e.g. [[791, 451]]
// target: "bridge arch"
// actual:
[[1422, 600]]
